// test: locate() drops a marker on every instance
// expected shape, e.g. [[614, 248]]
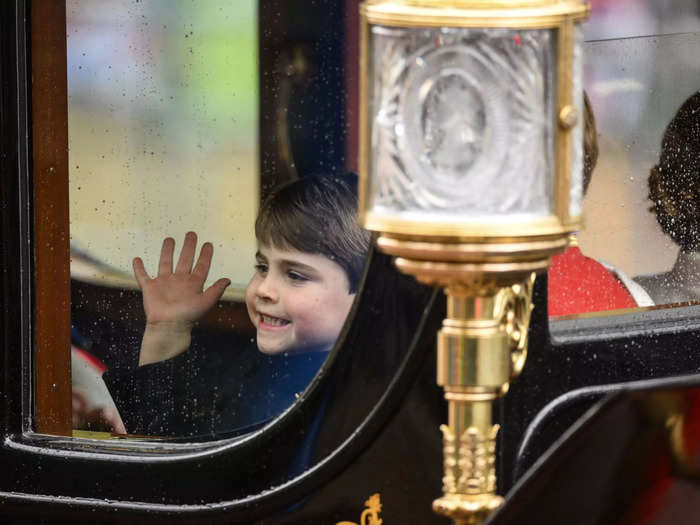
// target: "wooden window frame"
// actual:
[[49, 139]]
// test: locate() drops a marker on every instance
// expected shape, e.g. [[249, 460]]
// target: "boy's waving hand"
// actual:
[[174, 300]]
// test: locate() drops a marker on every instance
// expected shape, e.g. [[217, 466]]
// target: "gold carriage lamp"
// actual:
[[471, 164]]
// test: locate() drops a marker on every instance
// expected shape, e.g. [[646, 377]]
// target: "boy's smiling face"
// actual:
[[297, 301]]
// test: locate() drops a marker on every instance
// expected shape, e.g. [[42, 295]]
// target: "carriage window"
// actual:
[[639, 244], [162, 134], [185, 320]]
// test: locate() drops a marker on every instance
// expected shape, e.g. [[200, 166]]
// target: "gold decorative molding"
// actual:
[[564, 138], [469, 465], [450, 459], [456, 228], [477, 454], [369, 516], [474, 263], [469, 13]]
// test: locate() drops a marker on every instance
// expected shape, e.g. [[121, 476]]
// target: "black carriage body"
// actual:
[[375, 407]]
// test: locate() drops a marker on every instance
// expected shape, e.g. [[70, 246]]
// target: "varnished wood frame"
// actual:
[[49, 134]]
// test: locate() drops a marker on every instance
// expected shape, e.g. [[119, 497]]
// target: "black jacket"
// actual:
[[209, 392]]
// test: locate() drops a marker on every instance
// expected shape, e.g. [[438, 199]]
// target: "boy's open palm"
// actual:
[[178, 296], [174, 300]]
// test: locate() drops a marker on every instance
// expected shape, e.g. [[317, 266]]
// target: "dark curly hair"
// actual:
[[674, 183], [317, 214]]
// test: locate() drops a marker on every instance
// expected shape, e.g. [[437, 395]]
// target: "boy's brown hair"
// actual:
[[318, 215]]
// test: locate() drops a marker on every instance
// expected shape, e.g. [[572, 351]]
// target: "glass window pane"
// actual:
[[163, 125], [635, 85], [162, 102], [163, 115]]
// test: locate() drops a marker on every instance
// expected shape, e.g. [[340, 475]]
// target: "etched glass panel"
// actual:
[[460, 114]]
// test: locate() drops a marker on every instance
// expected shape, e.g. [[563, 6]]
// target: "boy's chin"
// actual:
[[292, 350], [273, 348], [271, 351]]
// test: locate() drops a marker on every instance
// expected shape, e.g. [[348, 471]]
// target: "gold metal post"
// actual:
[[485, 266], [482, 345], [478, 353]]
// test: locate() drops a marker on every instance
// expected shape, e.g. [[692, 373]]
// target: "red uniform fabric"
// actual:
[[579, 284], [92, 360]]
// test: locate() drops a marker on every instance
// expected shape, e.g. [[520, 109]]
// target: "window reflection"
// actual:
[[635, 86], [613, 19], [162, 105], [579, 283], [163, 116], [674, 194]]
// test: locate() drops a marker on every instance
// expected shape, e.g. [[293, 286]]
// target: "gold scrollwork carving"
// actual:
[[369, 516], [515, 305]]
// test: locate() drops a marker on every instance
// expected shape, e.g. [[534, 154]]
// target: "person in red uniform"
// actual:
[[580, 284]]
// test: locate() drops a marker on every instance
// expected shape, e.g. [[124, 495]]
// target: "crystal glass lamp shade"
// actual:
[[462, 124]]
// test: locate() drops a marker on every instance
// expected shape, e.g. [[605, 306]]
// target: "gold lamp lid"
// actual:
[[475, 13], [483, 4]]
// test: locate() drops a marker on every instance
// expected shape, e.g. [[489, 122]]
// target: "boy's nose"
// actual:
[[266, 290]]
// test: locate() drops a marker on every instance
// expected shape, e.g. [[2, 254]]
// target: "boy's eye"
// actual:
[[296, 276], [261, 268]]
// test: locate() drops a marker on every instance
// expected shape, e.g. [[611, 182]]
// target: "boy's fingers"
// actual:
[[165, 264], [113, 421], [201, 269], [215, 291], [79, 400], [139, 271], [118, 426], [184, 263]]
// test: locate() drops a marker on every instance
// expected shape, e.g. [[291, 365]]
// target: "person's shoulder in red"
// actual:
[[580, 284]]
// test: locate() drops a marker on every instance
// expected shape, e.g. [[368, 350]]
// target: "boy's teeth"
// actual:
[[275, 321]]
